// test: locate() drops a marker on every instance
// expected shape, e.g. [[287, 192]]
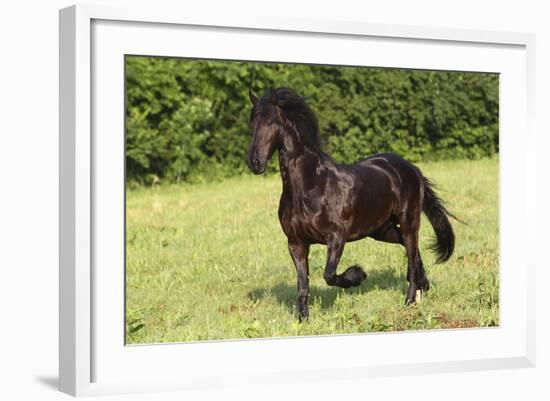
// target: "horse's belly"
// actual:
[[368, 217]]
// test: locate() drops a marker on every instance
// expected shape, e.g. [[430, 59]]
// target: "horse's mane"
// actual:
[[297, 111]]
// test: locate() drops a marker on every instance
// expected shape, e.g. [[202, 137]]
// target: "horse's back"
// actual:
[[408, 177], [395, 164]]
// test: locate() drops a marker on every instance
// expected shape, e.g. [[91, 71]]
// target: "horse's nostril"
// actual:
[[255, 162]]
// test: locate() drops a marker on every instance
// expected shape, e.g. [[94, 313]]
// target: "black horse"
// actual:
[[324, 202]]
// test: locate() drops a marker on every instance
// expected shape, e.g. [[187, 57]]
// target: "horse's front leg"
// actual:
[[335, 247], [299, 252], [352, 277]]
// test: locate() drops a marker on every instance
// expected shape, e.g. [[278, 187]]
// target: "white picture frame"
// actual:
[[93, 358]]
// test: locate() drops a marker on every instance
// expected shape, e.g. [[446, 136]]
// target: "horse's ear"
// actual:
[[253, 97]]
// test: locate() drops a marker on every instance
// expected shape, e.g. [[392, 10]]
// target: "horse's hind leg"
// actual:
[[416, 275], [423, 283], [389, 232]]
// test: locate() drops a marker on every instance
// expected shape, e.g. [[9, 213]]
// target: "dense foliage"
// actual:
[[188, 120]]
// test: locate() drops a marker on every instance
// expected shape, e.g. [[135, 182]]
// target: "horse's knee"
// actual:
[[330, 278]]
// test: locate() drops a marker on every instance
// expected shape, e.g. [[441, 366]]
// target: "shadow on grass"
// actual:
[[286, 293]]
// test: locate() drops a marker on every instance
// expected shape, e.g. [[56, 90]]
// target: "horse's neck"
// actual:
[[297, 162]]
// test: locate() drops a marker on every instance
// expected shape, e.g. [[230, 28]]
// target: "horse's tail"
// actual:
[[438, 216]]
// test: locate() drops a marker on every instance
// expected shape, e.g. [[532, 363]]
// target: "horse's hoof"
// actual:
[[410, 299], [354, 276], [303, 315]]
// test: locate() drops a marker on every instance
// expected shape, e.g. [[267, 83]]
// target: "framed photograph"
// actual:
[[276, 200]]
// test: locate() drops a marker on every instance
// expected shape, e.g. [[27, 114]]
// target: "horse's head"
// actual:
[[266, 123]]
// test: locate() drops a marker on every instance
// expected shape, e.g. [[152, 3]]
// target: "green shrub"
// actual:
[[188, 120]]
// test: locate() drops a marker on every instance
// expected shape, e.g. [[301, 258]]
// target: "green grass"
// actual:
[[209, 261]]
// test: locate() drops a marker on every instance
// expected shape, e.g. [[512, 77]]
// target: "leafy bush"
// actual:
[[188, 120]]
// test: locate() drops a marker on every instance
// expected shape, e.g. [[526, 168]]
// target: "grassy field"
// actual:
[[209, 261]]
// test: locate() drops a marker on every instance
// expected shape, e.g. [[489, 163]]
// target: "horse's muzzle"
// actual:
[[256, 165]]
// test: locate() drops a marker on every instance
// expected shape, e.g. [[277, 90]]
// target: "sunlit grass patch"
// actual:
[[209, 261]]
